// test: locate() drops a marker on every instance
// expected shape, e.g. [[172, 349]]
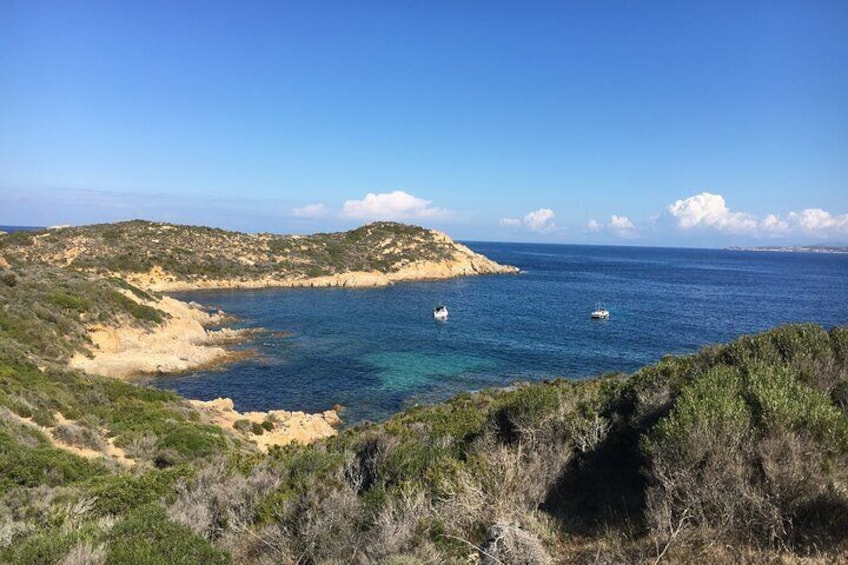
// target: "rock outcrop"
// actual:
[[281, 427], [180, 343]]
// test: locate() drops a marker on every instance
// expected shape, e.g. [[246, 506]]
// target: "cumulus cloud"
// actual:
[[310, 211], [619, 225], [541, 220], [397, 205], [622, 226], [773, 225], [813, 220], [710, 211]]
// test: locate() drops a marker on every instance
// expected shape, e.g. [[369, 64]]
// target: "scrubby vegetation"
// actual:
[[736, 453], [192, 252]]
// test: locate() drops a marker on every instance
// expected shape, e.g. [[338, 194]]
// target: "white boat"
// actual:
[[440, 312], [600, 313]]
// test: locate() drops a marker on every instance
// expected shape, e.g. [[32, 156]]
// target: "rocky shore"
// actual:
[[182, 342], [464, 262], [266, 429]]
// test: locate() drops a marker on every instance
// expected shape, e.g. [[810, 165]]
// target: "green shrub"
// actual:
[[138, 311], [523, 408], [69, 302], [148, 536], [117, 494], [40, 465], [780, 400], [42, 548]]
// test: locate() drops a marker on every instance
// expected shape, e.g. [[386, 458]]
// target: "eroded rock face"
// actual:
[[463, 262], [179, 343]]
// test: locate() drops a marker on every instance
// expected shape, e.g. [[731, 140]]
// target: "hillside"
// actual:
[[158, 256], [738, 453]]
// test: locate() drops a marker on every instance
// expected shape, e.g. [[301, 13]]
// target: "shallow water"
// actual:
[[378, 350]]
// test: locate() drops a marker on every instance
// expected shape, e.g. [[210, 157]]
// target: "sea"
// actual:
[[377, 351]]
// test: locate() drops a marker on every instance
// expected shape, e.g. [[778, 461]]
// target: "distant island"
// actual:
[[168, 257], [794, 248]]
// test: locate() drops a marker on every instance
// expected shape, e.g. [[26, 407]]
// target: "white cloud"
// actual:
[[510, 222], [622, 226], [540, 220], [773, 225], [816, 220], [619, 225], [397, 205], [710, 211], [310, 211]]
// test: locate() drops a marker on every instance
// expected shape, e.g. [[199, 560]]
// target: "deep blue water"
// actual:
[[378, 350], [10, 229]]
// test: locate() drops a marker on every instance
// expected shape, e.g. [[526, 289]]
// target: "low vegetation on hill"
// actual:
[[738, 452], [192, 252]]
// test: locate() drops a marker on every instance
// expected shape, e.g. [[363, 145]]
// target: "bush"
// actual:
[[39, 465], [242, 425], [781, 401], [147, 536], [117, 494], [69, 302], [41, 548], [699, 456], [80, 436]]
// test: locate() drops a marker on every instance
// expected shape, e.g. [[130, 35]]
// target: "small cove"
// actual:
[[376, 351]]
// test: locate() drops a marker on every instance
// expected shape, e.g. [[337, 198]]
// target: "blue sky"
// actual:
[[679, 123]]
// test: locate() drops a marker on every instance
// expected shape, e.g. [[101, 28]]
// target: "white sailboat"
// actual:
[[600, 312]]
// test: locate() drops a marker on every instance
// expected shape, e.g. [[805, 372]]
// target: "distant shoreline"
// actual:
[[11, 229], [794, 249]]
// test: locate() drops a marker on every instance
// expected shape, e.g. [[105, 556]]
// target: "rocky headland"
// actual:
[[166, 257]]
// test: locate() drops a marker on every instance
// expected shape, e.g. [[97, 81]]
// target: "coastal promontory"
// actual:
[[168, 257]]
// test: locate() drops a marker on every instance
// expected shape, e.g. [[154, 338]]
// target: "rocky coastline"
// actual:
[[183, 342]]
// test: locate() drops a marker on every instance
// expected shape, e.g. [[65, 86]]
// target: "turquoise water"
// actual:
[[376, 351]]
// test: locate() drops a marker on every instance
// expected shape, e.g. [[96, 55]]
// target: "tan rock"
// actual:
[[179, 343], [289, 427]]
